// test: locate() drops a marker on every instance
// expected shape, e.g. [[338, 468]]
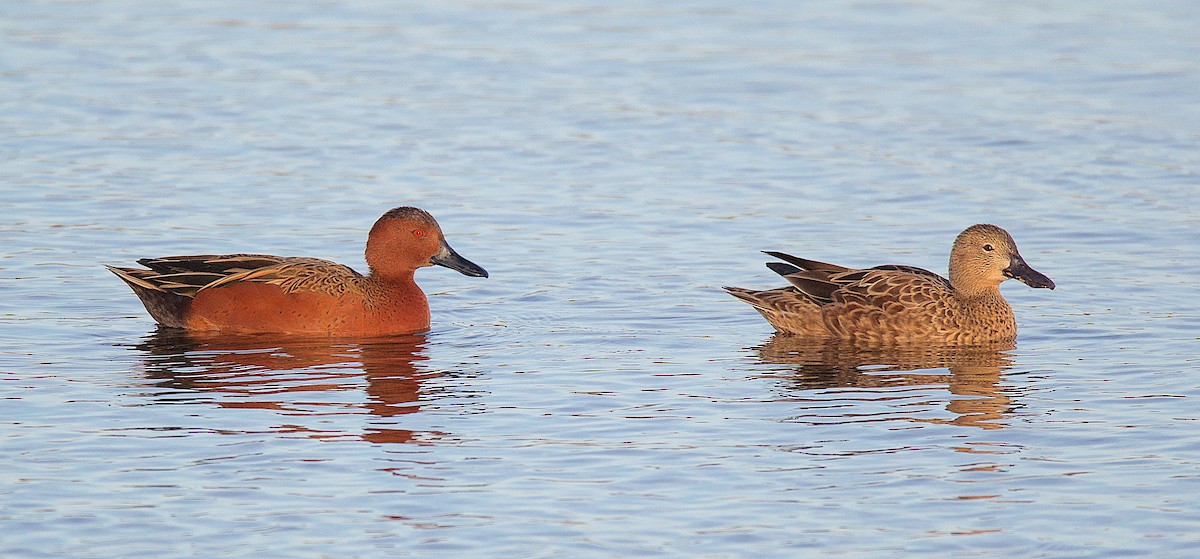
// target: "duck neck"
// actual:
[[395, 289], [988, 310], [990, 299], [390, 278]]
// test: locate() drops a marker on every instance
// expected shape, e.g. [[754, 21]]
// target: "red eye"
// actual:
[[418, 233]]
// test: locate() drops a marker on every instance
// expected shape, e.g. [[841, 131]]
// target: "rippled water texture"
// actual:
[[612, 165]]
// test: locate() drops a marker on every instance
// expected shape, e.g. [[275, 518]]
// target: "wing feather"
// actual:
[[188, 275]]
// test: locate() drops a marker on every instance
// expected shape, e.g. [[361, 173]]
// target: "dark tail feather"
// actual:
[[806, 264], [783, 269]]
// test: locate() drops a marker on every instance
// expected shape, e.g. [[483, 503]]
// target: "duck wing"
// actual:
[[812, 278], [890, 288], [188, 275]]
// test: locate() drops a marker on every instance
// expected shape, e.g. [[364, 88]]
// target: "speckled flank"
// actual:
[[897, 304]]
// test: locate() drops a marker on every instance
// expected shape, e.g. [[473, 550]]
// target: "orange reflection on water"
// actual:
[[303, 378], [971, 374]]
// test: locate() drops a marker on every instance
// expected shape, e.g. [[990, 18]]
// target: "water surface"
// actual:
[[612, 165]]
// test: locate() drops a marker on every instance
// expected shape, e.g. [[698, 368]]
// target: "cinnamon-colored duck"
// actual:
[[263, 293], [901, 304]]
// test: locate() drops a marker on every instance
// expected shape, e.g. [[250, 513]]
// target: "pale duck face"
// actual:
[[984, 256]]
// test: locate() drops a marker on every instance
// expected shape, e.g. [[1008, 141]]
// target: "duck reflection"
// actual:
[[971, 374], [300, 378]]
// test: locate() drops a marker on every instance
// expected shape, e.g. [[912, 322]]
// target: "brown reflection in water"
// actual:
[[972, 372], [298, 377]]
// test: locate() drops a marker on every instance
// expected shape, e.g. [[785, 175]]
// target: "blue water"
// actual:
[[611, 165]]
